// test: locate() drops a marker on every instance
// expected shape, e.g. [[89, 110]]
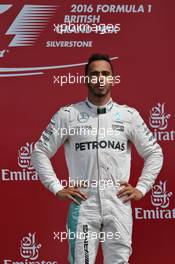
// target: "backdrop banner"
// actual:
[[44, 46]]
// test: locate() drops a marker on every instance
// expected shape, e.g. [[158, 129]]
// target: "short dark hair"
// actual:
[[95, 57]]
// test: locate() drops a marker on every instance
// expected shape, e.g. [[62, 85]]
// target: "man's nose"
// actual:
[[101, 77]]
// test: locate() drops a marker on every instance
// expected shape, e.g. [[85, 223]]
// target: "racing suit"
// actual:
[[97, 142]]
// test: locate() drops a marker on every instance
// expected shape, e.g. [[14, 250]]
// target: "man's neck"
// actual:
[[99, 101]]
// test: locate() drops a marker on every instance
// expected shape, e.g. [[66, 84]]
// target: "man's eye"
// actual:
[[105, 73], [94, 73]]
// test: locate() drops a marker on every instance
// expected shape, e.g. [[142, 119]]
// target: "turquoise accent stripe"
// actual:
[[73, 216]]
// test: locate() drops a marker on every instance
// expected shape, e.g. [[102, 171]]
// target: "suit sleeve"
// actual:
[[51, 139], [149, 150]]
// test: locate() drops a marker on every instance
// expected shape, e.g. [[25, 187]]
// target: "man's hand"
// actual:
[[71, 193], [130, 191]]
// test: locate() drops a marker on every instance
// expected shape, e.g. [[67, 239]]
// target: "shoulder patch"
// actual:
[[127, 108], [66, 108], [130, 110]]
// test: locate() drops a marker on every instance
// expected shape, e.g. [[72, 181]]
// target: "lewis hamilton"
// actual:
[[99, 212]]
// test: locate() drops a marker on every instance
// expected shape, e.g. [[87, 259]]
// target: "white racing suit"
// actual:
[[97, 143]]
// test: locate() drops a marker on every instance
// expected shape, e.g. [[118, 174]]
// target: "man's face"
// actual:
[[100, 78]]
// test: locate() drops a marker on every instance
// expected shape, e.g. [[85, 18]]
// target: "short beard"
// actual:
[[99, 94]]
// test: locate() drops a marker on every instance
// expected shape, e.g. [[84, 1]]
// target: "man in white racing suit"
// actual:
[[97, 135]]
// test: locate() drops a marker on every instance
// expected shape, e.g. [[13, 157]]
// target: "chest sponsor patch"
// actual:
[[103, 144], [118, 128], [83, 117]]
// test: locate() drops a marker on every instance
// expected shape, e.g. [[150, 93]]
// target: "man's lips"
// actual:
[[100, 87]]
